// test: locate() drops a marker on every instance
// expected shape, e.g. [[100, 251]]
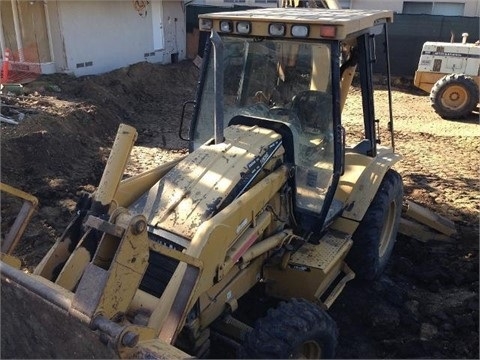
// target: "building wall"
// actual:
[[174, 14], [24, 31], [93, 37], [57, 43], [7, 27]]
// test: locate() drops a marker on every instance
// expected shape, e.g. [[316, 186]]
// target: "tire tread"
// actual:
[[277, 334], [364, 256], [441, 85]]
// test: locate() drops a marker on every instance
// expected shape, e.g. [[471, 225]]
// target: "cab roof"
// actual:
[[346, 22]]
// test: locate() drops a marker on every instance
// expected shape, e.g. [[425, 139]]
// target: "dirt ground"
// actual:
[[424, 306]]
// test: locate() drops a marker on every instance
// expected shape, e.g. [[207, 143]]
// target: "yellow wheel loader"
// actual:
[[270, 201]]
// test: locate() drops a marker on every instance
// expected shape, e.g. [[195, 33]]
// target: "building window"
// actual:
[[234, 1], [433, 8], [266, 1]]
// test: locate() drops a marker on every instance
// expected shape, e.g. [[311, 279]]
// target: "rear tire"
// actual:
[[454, 96], [375, 236], [296, 329]]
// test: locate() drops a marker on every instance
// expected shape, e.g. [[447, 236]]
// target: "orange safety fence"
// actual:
[[20, 66]]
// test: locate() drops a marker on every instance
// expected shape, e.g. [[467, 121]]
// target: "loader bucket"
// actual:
[[36, 327], [36, 324]]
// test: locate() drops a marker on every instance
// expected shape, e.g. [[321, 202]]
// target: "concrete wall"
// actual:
[[93, 37]]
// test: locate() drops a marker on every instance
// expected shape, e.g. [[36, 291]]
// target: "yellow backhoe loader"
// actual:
[[270, 200]]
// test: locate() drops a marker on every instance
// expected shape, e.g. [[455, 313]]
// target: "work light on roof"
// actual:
[[276, 29], [299, 31], [243, 27], [226, 26], [206, 24]]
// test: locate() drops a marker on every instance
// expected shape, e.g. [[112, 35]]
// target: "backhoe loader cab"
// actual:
[[271, 199], [289, 70]]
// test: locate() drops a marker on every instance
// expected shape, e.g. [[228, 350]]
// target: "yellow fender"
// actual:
[[359, 184]]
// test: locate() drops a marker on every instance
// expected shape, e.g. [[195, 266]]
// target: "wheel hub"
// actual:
[[455, 97], [308, 350]]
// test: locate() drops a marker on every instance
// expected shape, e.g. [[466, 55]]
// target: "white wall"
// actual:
[[174, 29], [112, 34]]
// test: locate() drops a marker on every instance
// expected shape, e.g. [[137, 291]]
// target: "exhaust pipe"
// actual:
[[218, 86]]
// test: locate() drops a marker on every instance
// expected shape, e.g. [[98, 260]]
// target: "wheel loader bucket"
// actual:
[[36, 327], [36, 324]]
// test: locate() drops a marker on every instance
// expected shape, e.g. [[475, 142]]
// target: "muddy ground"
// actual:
[[424, 306]]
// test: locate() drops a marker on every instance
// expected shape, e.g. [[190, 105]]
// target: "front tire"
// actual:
[[454, 96], [296, 329], [375, 236]]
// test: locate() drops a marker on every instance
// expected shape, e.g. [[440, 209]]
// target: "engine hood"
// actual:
[[210, 177]]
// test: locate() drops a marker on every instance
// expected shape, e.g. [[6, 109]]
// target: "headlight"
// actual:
[[226, 26], [300, 31], [243, 27], [276, 29], [206, 24]]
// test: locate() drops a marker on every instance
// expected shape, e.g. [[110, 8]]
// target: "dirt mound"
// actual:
[[61, 146], [426, 304]]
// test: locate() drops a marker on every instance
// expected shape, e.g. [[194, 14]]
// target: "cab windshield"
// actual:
[[288, 82]]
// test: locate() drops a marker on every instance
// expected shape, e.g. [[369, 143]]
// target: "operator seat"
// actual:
[[314, 110]]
